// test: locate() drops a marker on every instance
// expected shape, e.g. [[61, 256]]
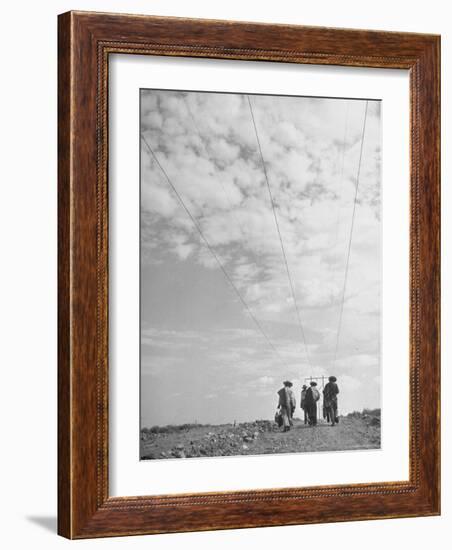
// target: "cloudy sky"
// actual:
[[216, 345]]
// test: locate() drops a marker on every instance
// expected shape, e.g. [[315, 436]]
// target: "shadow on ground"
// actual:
[[49, 523]]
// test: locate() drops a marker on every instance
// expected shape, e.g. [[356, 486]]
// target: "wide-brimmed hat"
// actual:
[[313, 383], [332, 379], [288, 383]]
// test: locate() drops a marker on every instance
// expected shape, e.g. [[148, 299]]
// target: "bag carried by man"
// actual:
[[315, 394], [278, 418]]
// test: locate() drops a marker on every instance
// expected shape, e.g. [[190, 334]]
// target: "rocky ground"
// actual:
[[354, 431]]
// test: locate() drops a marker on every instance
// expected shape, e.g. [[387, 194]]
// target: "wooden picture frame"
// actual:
[[85, 42]]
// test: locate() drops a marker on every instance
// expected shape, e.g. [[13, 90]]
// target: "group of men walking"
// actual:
[[308, 403]]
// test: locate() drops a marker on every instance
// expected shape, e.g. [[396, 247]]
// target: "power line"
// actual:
[[206, 242], [210, 156], [342, 172], [204, 144], [351, 234], [292, 289]]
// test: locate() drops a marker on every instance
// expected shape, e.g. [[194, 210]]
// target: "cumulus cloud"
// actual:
[[207, 146]]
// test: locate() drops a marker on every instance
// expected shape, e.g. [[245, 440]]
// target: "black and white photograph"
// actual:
[[260, 274]]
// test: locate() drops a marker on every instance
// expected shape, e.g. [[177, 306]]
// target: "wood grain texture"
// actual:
[[85, 42], [64, 295]]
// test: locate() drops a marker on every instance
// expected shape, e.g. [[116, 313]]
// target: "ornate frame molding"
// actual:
[[85, 42]]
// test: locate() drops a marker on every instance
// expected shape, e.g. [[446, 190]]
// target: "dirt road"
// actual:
[[357, 431]]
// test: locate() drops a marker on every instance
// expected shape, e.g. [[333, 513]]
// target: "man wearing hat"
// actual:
[[312, 396], [330, 399], [303, 402], [286, 404]]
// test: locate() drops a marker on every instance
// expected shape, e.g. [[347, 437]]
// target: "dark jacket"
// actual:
[[312, 396], [330, 394]]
